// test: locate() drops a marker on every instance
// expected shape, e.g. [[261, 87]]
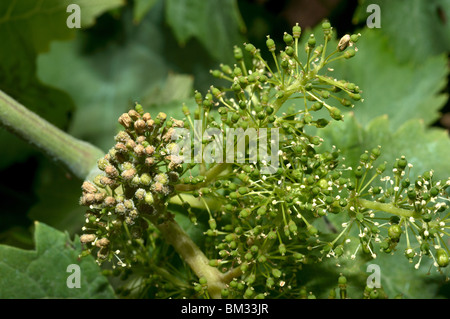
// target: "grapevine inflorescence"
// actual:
[[261, 228]]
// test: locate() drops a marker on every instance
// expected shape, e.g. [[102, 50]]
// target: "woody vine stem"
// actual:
[[261, 227]]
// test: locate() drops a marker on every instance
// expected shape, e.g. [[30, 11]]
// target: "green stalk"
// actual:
[[194, 202], [211, 174], [192, 255], [78, 156], [388, 208]]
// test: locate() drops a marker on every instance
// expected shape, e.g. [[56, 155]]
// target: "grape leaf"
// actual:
[[26, 30], [402, 91], [215, 23], [141, 8], [105, 83], [58, 209], [425, 148], [417, 28], [43, 272]]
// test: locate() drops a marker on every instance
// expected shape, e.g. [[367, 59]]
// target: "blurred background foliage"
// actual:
[[157, 52]]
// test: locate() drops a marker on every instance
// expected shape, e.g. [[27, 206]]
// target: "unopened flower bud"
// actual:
[[162, 178], [139, 150], [129, 174], [106, 181], [122, 136], [102, 242], [349, 53], [160, 118], [177, 123], [128, 204], [140, 139], [87, 238], [270, 44], [98, 197], [149, 161], [344, 42], [148, 198], [146, 117], [120, 208], [238, 55], [134, 115], [125, 120], [140, 194], [312, 41], [140, 126], [145, 179], [138, 107], [111, 171], [120, 147], [149, 150], [169, 134], [89, 187], [296, 31], [135, 181], [109, 201], [88, 199], [102, 163]]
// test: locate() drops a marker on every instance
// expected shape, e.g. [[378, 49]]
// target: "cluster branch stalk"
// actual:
[[388, 208], [192, 255]]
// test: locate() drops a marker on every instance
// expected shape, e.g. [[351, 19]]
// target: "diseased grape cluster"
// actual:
[[139, 172]]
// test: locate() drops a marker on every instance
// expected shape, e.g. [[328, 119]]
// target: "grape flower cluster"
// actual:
[[262, 229]]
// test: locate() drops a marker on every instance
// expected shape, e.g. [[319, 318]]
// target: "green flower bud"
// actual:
[[250, 48], [350, 53], [395, 232], [270, 44], [282, 249], [326, 26], [102, 163], [128, 174], [355, 37], [336, 114], [238, 55], [311, 41], [296, 31], [276, 273], [140, 194], [442, 257], [381, 168], [312, 230], [401, 163]]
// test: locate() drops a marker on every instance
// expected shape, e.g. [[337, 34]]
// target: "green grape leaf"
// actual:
[[176, 89], [425, 148], [401, 91], [58, 209], [330, 269], [26, 30], [398, 277], [107, 81], [215, 23], [44, 272], [141, 8], [418, 29]]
